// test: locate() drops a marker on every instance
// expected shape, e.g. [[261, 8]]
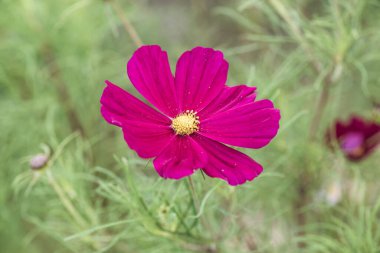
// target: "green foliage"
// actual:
[[318, 61], [349, 230]]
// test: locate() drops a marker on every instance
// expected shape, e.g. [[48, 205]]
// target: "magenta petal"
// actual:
[[251, 125], [227, 163], [228, 98], [200, 76], [180, 158], [146, 139], [145, 130], [150, 73]]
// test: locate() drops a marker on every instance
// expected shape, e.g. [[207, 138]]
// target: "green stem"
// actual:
[[65, 201], [205, 222], [129, 28]]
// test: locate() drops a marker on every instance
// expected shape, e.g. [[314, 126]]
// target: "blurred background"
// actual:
[[69, 183]]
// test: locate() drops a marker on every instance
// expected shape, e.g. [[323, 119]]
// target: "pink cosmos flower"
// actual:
[[357, 138], [195, 114]]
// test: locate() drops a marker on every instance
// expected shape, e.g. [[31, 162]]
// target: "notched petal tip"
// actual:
[[108, 109], [150, 73], [205, 50], [108, 82], [201, 74]]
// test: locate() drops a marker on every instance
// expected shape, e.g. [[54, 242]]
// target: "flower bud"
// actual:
[[38, 161]]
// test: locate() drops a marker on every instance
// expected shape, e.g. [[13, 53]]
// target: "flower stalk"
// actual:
[[129, 28], [212, 247], [65, 201]]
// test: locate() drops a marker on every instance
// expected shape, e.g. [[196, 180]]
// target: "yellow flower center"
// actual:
[[359, 151], [186, 123]]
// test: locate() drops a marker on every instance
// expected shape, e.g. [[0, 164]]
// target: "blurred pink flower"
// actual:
[[357, 138], [196, 113]]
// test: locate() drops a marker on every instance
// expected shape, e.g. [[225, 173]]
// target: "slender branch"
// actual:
[[65, 201], [129, 28], [61, 88], [300, 203], [71, 209], [333, 75], [212, 248]]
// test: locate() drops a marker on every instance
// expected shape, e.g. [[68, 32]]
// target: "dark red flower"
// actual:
[[357, 138]]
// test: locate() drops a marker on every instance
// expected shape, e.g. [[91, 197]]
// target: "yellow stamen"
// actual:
[[186, 123]]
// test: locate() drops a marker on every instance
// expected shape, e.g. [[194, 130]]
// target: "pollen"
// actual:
[[186, 123]]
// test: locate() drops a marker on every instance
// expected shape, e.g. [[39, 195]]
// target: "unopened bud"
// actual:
[[38, 161]]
